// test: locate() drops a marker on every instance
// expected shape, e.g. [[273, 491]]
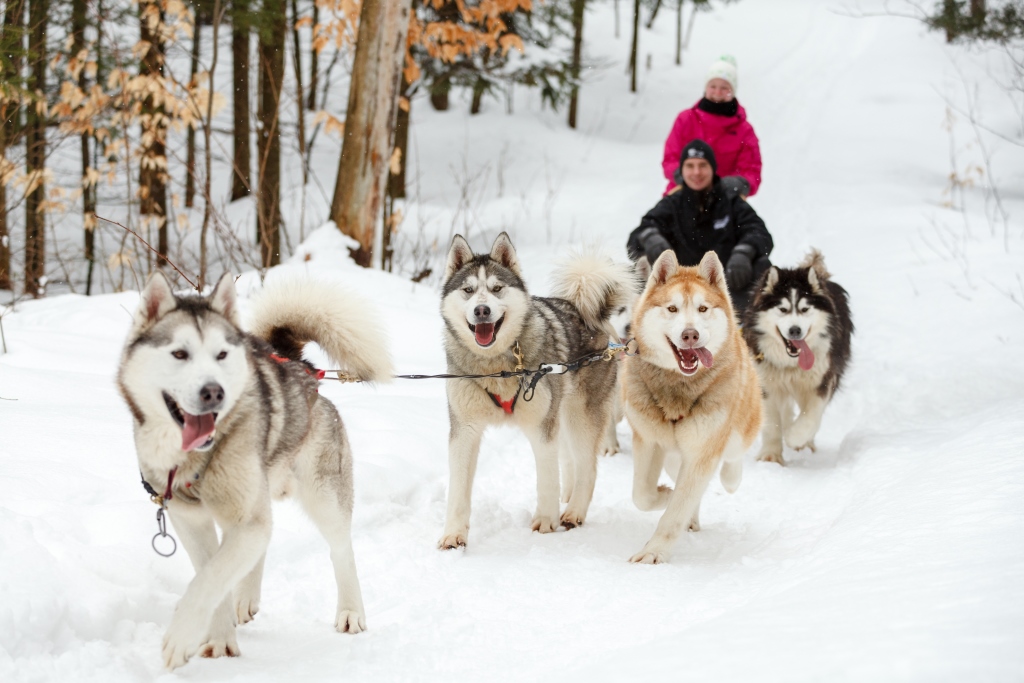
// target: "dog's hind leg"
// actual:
[[648, 458], [545, 452], [247, 593], [463, 449], [584, 430]]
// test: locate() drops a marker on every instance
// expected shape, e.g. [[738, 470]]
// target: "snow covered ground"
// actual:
[[895, 553]]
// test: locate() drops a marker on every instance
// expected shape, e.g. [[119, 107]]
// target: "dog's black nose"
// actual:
[[794, 332], [211, 395], [690, 336], [482, 311]]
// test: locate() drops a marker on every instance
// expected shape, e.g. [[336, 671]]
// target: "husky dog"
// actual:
[[691, 395], [223, 422], [490, 317], [798, 326]]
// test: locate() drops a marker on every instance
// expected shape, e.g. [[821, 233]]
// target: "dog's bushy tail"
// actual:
[[596, 286], [292, 311], [815, 259]]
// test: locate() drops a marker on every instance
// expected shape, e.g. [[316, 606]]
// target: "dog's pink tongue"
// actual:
[[484, 333], [705, 356], [806, 355], [196, 431]]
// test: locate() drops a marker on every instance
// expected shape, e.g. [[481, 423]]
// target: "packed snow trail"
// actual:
[[893, 553]]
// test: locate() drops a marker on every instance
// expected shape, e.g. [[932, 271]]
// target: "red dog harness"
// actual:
[[508, 406], [318, 374]]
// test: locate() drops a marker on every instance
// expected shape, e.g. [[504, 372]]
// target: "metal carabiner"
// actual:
[[161, 523]]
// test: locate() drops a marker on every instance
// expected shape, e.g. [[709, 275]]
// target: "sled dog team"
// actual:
[[227, 419]]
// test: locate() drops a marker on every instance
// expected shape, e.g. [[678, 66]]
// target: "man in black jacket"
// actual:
[[700, 216]]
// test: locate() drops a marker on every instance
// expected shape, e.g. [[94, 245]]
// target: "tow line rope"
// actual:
[[529, 378]]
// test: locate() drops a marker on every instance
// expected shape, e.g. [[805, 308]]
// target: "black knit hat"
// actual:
[[698, 149]]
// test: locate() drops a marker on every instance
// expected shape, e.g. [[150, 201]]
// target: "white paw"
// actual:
[[571, 520], [695, 525], [453, 541], [246, 607], [543, 524], [220, 647], [801, 434], [609, 447], [180, 644], [649, 557], [350, 621], [771, 456]]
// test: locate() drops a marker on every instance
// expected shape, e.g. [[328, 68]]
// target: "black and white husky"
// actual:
[[226, 419], [490, 317], [798, 326]]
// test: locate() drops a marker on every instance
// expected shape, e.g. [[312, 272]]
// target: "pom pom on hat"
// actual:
[[724, 68]]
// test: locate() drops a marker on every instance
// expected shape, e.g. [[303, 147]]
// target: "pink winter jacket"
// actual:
[[731, 137]]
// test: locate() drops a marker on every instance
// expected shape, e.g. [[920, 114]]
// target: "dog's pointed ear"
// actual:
[[224, 300], [664, 268], [156, 301], [771, 279], [813, 280], [459, 254], [642, 268], [711, 269], [504, 253]]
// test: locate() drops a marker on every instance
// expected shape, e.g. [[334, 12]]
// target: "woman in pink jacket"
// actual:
[[719, 120]]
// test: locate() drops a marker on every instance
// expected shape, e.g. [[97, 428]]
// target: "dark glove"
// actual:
[[740, 269], [653, 243], [735, 185]]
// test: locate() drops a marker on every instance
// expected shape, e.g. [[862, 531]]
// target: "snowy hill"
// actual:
[[894, 553]]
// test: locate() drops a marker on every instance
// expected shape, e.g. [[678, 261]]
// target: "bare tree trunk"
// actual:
[[301, 110], [35, 152], [439, 90], [396, 180], [313, 63], [79, 21], [633, 60], [13, 46], [578, 7], [190, 158], [679, 33], [240, 178], [372, 106], [268, 149], [218, 16], [654, 14], [978, 9], [153, 166]]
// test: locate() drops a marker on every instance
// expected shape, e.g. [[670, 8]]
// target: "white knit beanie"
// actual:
[[724, 68]]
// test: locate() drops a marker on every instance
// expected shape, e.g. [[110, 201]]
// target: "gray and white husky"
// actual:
[[224, 422], [799, 326], [488, 315]]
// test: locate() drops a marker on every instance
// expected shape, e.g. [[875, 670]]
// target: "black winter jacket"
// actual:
[[725, 222]]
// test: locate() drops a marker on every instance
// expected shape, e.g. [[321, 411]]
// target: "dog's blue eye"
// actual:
[[222, 355], [467, 290], [180, 354]]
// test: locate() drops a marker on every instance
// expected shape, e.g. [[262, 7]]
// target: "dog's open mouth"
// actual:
[[485, 333], [197, 431], [798, 348], [689, 360]]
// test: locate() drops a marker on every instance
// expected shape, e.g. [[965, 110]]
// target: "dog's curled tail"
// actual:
[[292, 311], [815, 259], [596, 286]]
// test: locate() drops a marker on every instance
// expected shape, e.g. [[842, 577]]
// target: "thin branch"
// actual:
[[150, 247]]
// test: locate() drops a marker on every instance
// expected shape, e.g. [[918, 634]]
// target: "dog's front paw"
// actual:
[[571, 520], [220, 647], [543, 524], [649, 557], [610, 446], [771, 456], [801, 434], [453, 541], [179, 645], [350, 621]]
